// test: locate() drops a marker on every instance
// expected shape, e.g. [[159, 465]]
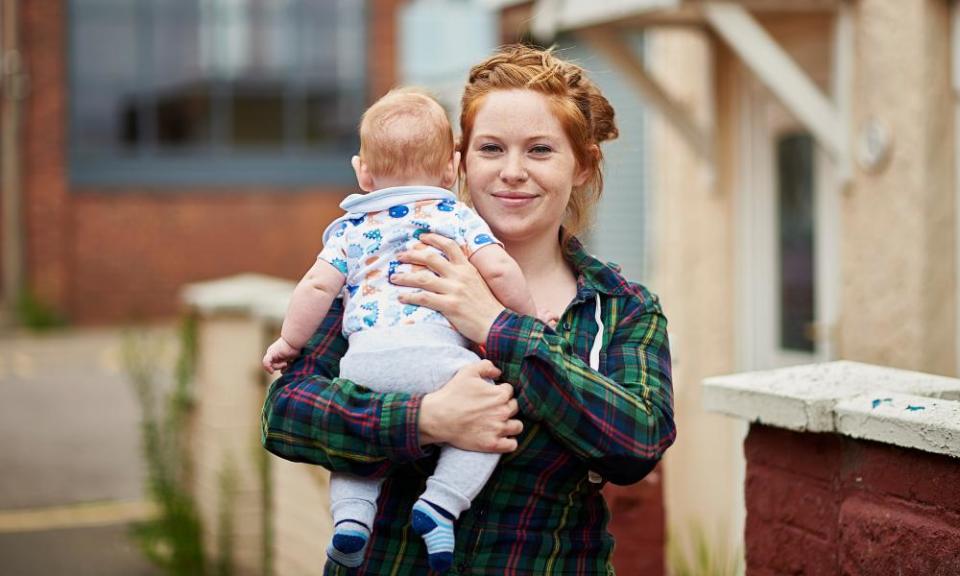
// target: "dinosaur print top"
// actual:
[[364, 243]]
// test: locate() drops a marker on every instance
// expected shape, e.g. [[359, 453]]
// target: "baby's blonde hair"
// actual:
[[406, 133]]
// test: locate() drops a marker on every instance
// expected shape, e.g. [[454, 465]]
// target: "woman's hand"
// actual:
[[471, 413], [451, 286]]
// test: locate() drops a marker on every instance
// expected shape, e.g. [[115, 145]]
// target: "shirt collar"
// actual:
[[385, 198], [593, 275]]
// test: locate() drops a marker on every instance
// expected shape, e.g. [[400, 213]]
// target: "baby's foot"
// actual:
[[349, 543], [435, 526]]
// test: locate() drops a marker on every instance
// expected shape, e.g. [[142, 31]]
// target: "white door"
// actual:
[[787, 240]]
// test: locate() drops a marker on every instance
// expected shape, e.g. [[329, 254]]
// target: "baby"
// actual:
[[406, 163]]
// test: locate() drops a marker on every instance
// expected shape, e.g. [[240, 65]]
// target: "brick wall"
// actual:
[[132, 252], [823, 504], [637, 520], [123, 255], [46, 203]]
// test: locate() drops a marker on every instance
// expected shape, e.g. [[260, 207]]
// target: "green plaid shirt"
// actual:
[[539, 513]]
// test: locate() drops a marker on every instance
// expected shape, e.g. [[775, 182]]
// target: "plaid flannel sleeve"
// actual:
[[310, 415], [620, 420]]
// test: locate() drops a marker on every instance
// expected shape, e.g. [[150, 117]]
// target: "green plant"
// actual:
[[699, 555], [228, 490], [34, 314], [173, 540]]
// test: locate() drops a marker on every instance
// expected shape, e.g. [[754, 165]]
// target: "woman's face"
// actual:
[[519, 166]]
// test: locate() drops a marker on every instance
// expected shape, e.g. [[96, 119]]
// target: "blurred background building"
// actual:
[[786, 178], [163, 142]]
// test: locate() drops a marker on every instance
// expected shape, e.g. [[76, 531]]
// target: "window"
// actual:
[[215, 91], [796, 241]]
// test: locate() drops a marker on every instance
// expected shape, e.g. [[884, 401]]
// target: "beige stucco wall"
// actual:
[[899, 296], [897, 288], [692, 273]]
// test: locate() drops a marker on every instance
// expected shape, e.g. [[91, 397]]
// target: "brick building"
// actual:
[[166, 142]]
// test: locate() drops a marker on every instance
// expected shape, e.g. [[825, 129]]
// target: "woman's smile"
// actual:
[[515, 199]]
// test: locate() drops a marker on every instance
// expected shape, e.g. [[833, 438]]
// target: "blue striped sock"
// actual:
[[435, 526], [349, 543]]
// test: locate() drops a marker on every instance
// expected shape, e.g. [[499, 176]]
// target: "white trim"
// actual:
[[501, 4], [611, 46], [831, 182], [774, 67], [955, 72], [552, 16], [743, 228]]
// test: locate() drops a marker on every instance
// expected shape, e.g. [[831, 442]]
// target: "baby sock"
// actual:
[[435, 526], [349, 543]]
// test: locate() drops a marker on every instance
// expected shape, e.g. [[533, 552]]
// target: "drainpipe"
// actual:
[[13, 90]]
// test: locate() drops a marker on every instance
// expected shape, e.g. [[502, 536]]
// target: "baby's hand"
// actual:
[[278, 356], [548, 318]]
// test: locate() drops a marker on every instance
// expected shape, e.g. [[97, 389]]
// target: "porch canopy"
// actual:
[[601, 24]]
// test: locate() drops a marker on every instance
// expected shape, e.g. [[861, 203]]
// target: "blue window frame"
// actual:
[[215, 92]]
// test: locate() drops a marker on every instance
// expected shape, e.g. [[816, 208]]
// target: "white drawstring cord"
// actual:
[[592, 476]]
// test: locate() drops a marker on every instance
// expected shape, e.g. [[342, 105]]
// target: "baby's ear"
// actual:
[[450, 173], [364, 178]]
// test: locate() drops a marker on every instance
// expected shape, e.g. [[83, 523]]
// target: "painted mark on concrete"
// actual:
[[878, 401], [76, 516], [913, 408], [110, 360], [23, 366]]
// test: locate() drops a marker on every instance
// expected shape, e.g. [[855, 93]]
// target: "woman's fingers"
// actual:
[[486, 369], [446, 245], [421, 279], [512, 428], [504, 446], [423, 298], [432, 260]]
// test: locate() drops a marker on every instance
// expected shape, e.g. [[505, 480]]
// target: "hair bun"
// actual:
[[602, 117]]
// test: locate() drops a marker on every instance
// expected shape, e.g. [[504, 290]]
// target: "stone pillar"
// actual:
[[230, 468], [851, 469]]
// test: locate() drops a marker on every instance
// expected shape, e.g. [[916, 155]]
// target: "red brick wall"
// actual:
[[824, 504], [46, 201], [637, 523], [132, 252], [123, 255]]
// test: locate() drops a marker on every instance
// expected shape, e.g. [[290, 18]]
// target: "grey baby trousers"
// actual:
[[417, 359]]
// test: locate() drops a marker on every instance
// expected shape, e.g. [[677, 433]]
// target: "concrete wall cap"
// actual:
[[253, 294], [923, 410]]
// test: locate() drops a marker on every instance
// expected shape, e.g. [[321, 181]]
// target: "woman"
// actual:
[[592, 391]]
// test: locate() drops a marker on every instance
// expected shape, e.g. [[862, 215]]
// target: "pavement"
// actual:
[[72, 480]]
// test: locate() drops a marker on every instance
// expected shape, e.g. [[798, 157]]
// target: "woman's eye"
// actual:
[[489, 148], [541, 149]]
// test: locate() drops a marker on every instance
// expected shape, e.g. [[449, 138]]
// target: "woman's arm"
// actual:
[[310, 415], [621, 420]]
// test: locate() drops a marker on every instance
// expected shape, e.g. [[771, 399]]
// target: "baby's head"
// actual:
[[405, 140]]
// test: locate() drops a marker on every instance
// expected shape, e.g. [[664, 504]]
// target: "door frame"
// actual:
[[761, 120]]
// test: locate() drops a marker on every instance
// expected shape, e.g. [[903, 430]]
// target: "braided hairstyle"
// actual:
[[585, 114]]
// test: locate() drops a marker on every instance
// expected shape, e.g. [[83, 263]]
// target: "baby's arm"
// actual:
[[505, 279], [309, 304]]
